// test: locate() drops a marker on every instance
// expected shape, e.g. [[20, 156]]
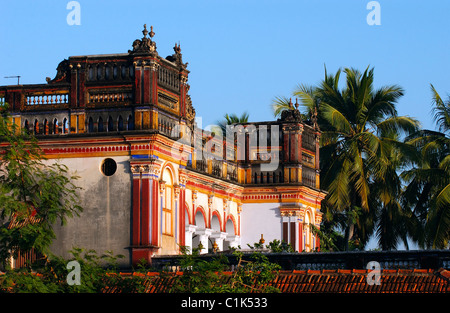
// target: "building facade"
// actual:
[[152, 181]]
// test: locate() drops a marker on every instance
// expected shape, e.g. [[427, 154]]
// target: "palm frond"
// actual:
[[279, 104], [335, 118], [441, 111]]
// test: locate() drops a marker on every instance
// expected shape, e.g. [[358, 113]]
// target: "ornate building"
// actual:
[[151, 180]]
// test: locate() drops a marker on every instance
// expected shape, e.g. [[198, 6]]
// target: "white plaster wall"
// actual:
[[257, 219], [202, 200]]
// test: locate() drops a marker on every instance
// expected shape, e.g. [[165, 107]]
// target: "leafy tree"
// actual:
[[229, 120], [34, 194], [97, 274], [360, 145], [251, 273], [428, 180]]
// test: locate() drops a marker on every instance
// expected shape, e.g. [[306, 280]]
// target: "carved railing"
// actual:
[[232, 171], [168, 78], [168, 126], [116, 97], [45, 100], [308, 141], [309, 176]]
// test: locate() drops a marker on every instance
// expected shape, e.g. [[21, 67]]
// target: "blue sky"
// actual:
[[242, 54]]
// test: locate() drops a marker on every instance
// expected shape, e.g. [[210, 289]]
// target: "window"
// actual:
[[130, 123], [168, 202], [110, 124], [120, 123], [45, 127], [307, 233], [108, 167], [90, 125], [100, 124], [289, 233], [65, 126], [55, 126], [36, 127]]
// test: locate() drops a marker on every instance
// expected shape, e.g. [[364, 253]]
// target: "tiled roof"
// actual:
[[334, 281]]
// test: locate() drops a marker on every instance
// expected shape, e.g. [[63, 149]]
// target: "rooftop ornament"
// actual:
[[145, 45]]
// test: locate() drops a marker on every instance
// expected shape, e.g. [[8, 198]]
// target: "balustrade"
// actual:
[[309, 141], [47, 99], [110, 97], [309, 176]]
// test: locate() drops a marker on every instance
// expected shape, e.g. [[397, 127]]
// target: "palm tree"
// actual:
[[428, 189], [360, 131], [231, 119]]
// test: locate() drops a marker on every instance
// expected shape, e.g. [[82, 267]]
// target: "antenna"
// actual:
[[18, 78]]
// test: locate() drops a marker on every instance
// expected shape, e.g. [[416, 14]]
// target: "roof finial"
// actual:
[[152, 33], [145, 32]]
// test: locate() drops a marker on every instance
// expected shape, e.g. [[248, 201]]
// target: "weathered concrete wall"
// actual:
[[105, 222]]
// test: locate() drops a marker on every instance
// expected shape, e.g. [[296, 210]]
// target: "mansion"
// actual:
[[152, 181]]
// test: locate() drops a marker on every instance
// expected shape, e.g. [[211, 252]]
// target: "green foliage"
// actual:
[[97, 274], [251, 274], [428, 180], [362, 154], [34, 194]]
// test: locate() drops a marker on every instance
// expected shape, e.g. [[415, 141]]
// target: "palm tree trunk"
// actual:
[[349, 234]]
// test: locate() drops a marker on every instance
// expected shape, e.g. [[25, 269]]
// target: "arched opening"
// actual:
[[215, 223], [216, 234], [65, 126], [307, 232], [200, 232], [120, 123], [100, 124], [36, 127], [130, 123], [230, 240], [200, 219], [26, 126], [110, 124], [55, 127], [168, 203], [229, 227], [46, 127], [90, 125]]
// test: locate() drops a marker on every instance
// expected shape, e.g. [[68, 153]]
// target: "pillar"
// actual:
[[300, 236], [144, 211], [219, 237], [204, 238], [189, 232]]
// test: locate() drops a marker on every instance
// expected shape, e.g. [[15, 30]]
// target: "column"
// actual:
[[204, 238], [300, 236], [182, 205], [144, 210], [189, 232], [233, 241], [219, 237]]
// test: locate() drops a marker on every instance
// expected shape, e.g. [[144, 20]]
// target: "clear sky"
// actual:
[[243, 53]]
